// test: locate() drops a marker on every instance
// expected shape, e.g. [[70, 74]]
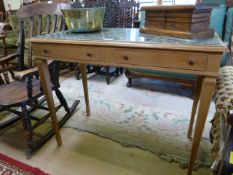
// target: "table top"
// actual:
[[131, 37]]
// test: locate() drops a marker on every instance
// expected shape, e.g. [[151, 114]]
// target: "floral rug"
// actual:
[[9, 166], [138, 117]]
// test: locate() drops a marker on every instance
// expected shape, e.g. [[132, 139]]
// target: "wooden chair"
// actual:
[[26, 91], [119, 14], [37, 19]]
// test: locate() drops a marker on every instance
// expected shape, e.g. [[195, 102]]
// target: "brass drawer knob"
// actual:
[[89, 54], [191, 62], [126, 58], [45, 51]]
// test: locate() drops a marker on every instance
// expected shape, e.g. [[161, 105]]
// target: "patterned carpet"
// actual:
[[138, 117], [9, 166]]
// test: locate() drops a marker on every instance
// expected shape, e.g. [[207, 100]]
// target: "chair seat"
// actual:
[[224, 90], [16, 92], [163, 74]]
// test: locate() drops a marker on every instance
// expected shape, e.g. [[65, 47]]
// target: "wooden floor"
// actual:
[[87, 154]]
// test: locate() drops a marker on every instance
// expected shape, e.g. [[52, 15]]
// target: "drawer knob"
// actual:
[[191, 62], [89, 54], [45, 51], [126, 58]]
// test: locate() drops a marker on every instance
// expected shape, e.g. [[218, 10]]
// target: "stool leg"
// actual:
[[4, 46], [108, 76], [28, 130]]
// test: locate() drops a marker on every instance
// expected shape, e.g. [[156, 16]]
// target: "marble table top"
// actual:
[[130, 35]]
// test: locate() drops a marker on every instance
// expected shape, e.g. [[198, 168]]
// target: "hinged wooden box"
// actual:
[[178, 21]]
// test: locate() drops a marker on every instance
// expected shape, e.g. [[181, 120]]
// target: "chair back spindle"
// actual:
[[35, 24]]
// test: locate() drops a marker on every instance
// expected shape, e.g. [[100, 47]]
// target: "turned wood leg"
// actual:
[[12, 73], [77, 72], [121, 70], [1, 80], [62, 100], [108, 76], [6, 77], [129, 77], [207, 89], [117, 72], [47, 89], [129, 83], [27, 125], [195, 104], [4, 46], [85, 87]]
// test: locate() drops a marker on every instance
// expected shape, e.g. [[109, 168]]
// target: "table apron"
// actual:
[[190, 62]]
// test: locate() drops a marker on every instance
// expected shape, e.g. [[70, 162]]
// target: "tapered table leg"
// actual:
[[47, 89], [207, 89], [85, 87], [195, 104]]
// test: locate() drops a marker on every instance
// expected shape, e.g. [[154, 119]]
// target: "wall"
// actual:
[[15, 4]]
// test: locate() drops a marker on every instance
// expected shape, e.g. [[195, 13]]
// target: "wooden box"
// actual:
[[190, 21]]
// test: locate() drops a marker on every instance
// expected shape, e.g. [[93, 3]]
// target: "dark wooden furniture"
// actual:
[[118, 14], [178, 21], [25, 92], [4, 29], [39, 19], [3, 38], [2, 11]]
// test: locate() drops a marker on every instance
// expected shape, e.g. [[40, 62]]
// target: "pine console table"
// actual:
[[130, 48]]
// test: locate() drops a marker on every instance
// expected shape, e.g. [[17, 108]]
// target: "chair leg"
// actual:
[[28, 129], [121, 70], [129, 83], [77, 71], [116, 72], [91, 68], [6, 77], [1, 80], [12, 74], [62, 100], [108, 76], [4, 46], [129, 77], [195, 104]]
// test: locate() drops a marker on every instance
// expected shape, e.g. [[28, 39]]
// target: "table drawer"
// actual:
[[69, 52], [181, 60]]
